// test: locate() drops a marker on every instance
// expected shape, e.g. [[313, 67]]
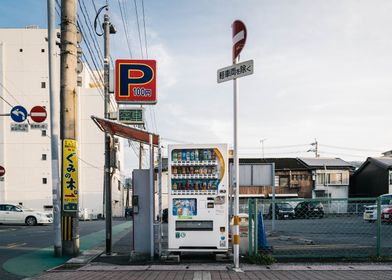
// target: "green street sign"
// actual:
[[131, 116]]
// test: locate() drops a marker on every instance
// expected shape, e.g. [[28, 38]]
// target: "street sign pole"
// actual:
[[236, 239], [239, 39], [54, 130]]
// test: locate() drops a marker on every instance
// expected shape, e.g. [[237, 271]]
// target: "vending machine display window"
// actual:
[[184, 207]]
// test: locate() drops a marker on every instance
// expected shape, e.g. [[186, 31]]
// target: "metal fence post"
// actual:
[[256, 228], [250, 208], [378, 249]]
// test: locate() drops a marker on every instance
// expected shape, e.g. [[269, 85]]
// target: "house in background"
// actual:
[[292, 178], [373, 178], [330, 176]]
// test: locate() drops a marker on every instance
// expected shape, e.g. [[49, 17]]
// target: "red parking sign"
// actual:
[[136, 81]]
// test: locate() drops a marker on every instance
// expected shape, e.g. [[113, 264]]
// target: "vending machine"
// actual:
[[198, 198]]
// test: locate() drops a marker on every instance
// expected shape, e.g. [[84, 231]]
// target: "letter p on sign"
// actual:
[[136, 81]]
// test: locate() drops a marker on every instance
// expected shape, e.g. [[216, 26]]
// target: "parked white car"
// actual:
[[370, 213], [16, 214]]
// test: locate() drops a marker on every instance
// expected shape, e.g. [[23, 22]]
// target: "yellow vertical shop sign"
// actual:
[[70, 175]]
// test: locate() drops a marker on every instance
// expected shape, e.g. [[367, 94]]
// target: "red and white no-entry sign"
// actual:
[[2, 171], [239, 37], [38, 114]]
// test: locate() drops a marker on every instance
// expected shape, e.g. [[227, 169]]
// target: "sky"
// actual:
[[322, 71]]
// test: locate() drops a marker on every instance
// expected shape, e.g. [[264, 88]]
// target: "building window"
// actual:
[[43, 157], [43, 85], [44, 181], [283, 181], [390, 178], [43, 132]]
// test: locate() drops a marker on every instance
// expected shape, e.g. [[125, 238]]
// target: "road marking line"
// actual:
[[13, 245], [202, 275]]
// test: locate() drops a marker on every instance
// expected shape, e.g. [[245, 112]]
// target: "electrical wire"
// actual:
[[348, 148], [145, 32], [90, 25], [122, 11], [138, 28]]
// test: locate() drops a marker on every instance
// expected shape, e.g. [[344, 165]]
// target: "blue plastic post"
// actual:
[[262, 238]]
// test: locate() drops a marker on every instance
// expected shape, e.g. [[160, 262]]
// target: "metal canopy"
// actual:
[[125, 131]]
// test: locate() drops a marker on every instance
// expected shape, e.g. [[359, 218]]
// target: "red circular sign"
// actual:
[[38, 114], [2, 171], [239, 37]]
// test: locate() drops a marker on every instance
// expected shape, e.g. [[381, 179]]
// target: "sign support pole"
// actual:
[[152, 198], [160, 196], [108, 140], [54, 129], [236, 236]]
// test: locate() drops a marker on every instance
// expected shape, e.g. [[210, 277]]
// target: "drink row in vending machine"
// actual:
[[197, 185], [193, 155], [194, 170]]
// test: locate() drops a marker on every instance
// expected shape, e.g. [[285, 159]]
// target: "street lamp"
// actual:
[[262, 145]]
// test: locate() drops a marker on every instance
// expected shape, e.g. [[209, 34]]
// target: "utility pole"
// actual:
[[262, 146], [315, 150], [54, 129], [108, 139], [68, 124]]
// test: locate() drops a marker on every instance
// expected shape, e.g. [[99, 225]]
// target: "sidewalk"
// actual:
[[207, 272], [118, 267]]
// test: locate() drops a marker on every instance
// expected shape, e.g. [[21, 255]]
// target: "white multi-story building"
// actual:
[[26, 155]]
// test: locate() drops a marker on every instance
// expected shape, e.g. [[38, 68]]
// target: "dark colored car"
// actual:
[[309, 209], [283, 210]]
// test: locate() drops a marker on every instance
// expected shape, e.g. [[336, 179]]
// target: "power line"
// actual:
[[90, 25], [277, 147], [125, 27], [8, 93], [353, 149], [138, 28], [145, 33]]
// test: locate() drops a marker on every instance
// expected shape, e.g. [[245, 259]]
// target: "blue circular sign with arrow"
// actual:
[[18, 114]]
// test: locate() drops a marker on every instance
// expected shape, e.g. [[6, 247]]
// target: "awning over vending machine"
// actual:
[[125, 131]]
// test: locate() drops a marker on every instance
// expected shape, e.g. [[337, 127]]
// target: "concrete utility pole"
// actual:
[[108, 138], [68, 124], [54, 128]]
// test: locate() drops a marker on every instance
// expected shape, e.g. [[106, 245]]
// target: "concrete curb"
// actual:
[[225, 267]]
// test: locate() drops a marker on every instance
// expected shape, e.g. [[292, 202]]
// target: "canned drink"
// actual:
[[196, 154], [209, 155], [213, 155], [174, 156], [205, 155], [192, 155], [188, 156], [183, 155]]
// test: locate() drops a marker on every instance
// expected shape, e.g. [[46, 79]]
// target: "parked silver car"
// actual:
[[16, 214], [370, 214]]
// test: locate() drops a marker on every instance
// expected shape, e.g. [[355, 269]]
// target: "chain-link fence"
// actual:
[[321, 228]]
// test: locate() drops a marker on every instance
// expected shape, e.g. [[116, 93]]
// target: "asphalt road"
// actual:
[[331, 236], [17, 240]]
